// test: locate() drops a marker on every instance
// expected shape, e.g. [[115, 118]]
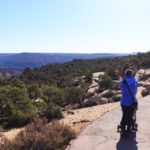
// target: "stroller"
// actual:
[[133, 127]]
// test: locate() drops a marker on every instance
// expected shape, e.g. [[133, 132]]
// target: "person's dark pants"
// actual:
[[127, 117]]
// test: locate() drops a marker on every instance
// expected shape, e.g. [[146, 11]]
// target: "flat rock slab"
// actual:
[[102, 133]]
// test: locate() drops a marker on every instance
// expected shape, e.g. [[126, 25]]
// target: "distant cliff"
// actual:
[[23, 60]]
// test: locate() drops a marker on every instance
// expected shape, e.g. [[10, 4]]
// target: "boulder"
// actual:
[[89, 102], [103, 100], [38, 100], [144, 84], [106, 93], [145, 92]]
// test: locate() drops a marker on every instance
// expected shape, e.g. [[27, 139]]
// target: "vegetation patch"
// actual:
[[40, 136]]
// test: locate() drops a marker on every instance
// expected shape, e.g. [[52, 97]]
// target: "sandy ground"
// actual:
[[84, 116], [80, 117]]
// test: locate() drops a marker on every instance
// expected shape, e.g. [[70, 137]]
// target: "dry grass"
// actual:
[[40, 136]]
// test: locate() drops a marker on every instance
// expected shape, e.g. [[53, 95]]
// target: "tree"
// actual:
[[34, 91], [111, 71], [105, 82], [53, 112], [15, 106], [88, 77], [74, 95]]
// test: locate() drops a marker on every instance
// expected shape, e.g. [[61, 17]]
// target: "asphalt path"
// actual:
[[102, 133]]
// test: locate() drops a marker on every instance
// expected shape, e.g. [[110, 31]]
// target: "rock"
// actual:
[[89, 102], [145, 92], [90, 94], [38, 100], [106, 93], [70, 112], [75, 83], [118, 92], [144, 84], [93, 85], [103, 100], [92, 91], [97, 74], [96, 79], [82, 121], [71, 107]]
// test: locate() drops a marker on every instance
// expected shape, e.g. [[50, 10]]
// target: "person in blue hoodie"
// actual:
[[129, 89]]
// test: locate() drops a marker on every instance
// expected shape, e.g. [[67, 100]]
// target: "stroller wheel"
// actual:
[[136, 127], [119, 128]]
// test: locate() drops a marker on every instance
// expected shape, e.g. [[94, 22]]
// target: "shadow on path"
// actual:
[[128, 143]]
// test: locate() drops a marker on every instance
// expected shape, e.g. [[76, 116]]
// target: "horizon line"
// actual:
[[71, 52]]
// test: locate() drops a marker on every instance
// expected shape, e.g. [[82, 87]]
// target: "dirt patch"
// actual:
[[81, 117]]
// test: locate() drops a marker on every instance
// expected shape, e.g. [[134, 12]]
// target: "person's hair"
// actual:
[[129, 72]]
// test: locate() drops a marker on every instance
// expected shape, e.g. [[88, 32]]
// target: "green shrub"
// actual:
[[34, 91], [74, 95], [106, 82], [88, 77], [58, 98], [116, 98], [115, 86], [111, 71], [48, 91], [1, 129], [53, 112], [19, 118], [16, 109]]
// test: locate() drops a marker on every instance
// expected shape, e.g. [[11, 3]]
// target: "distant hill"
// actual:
[[9, 72], [23, 60]]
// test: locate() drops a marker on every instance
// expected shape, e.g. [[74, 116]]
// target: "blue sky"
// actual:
[[76, 26]]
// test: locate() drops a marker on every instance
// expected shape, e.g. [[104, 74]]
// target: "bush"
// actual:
[[16, 108], [116, 86], [105, 82], [48, 91], [88, 77], [58, 98], [116, 98], [19, 118], [112, 73], [53, 112], [40, 136], [34, 91], [1, 128], [74, 95]]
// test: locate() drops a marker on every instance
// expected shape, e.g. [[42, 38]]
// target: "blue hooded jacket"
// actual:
[[126, 99]]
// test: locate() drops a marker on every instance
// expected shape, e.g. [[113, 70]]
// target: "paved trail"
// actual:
[[102, 135]]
